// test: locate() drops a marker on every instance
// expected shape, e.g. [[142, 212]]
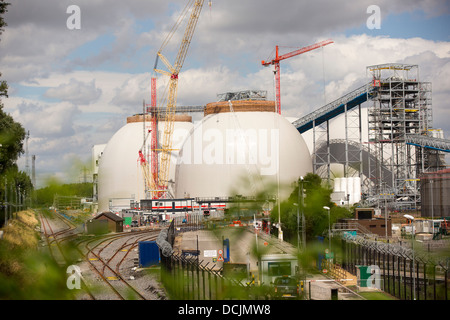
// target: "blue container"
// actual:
[[148, 254]]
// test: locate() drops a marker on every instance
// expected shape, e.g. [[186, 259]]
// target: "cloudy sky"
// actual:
[[73, 88]]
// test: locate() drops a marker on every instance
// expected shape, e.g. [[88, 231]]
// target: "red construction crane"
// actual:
[[151, 173], [154, 142], [276, 63]]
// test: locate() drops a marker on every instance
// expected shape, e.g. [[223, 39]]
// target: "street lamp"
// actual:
[[409, 217], [329, 227]]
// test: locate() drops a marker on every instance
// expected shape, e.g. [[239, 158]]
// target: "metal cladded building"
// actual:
[[435, 191]]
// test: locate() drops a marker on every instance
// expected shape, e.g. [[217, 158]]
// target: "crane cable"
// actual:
[[166, 42], [176, 25]]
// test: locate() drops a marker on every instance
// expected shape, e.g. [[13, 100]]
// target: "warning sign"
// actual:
[[220, 252]]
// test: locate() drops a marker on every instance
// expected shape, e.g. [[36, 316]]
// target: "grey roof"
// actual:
[[110, 215]]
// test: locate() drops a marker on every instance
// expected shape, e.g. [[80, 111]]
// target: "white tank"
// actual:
[[350, 182], [241, 153], [344, 187], [337, 185], [120, 177], [357, 189]]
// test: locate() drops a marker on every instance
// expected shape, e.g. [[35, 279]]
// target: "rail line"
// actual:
[[105, 265], [105, 268], [54, 239]]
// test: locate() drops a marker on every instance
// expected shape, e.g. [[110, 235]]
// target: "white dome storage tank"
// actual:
[[225, 148], [120, 177]]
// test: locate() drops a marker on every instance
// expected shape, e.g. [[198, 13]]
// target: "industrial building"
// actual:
[[239, 147], [435, 191], [242, 146], [400, 144], [120, 178]]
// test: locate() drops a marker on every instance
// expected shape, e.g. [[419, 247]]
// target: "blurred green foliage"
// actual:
[[316, 195], [44, 196], [25, 272]]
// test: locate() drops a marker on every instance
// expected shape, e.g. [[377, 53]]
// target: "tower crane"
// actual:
[[174, 70], [276, 63]]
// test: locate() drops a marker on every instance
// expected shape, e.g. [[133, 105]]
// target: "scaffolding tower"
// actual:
[[400, 106]]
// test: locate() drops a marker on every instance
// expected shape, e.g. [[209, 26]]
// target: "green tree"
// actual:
[[3, 9], [12, 135], [45, 195], [316, 196]]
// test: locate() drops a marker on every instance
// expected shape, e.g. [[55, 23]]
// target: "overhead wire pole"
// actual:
[[276, 63]]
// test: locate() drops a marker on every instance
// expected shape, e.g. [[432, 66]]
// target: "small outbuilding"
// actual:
[[115, 223], [367, 222]]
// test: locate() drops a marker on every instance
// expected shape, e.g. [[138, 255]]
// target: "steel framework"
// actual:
[[400, 106]]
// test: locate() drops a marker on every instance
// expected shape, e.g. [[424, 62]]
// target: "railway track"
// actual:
[[56, 232], [99, 258], [105, 257]]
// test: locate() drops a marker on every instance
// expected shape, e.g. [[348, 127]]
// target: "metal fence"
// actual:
[[405, 275], [188, 278]]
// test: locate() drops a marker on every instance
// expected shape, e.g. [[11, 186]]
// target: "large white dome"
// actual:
[[120, 177], [224, 149]]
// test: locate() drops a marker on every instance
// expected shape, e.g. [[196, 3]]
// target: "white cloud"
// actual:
[[37, 50], [48, 121], [75, 91]]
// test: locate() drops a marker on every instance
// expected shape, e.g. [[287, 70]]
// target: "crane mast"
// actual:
[[276, 63], [166, 144], [154, 185]]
